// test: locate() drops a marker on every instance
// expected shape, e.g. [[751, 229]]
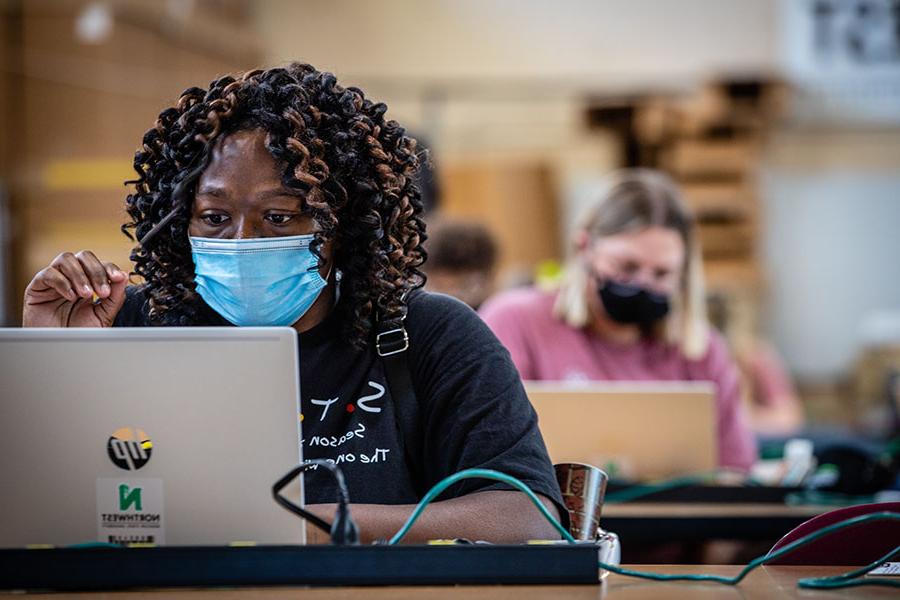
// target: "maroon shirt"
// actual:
[[545, 348]]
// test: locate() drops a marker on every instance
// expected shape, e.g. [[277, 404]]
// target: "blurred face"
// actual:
[[240, 194], [472, 287], [652, 258]]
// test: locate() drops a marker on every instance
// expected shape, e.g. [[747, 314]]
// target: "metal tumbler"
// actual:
[[583, 487]]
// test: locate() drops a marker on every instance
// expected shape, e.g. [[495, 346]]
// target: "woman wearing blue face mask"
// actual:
[[281, 198], [630, 307]]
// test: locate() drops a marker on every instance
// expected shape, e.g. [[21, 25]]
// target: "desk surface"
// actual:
[[765, 582]]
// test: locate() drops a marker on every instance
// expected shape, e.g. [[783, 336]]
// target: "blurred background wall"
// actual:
[[82, 82], [781, 119]]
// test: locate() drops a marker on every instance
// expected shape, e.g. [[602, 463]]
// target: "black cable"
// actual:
[[287, 504], [344, 530]]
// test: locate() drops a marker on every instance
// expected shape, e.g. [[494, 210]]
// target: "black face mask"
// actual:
[[626, 303]]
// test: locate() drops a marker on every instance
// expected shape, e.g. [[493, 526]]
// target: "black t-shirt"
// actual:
[[472, 409]]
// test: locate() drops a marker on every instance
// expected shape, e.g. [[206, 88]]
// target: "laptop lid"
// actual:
[[151, 435], [643, 430]]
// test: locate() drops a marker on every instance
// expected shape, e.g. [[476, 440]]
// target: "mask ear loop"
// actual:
[[330, 271], [337, 281]]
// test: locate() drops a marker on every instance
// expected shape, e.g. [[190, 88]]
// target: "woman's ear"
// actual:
[[582, 242]]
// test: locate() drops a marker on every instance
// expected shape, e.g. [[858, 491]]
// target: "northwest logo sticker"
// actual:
[[129, 448], [130, 497]]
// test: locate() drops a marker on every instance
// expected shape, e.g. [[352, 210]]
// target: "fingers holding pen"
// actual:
[[87, 275], [50, 284], [96, 273], [75, 290], [70, 267]]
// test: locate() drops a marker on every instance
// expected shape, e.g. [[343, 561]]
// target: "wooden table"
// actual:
[[764, 583]]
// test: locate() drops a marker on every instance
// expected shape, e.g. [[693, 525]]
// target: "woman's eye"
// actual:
[[630, 268], [214, 219], [278, 219]]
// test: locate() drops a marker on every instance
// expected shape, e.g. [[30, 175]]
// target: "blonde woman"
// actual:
[[630, 306]]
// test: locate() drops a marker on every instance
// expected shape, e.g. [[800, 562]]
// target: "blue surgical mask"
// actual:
[[259, 281]]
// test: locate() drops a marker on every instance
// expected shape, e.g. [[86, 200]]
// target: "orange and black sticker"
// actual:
[[129, 448]]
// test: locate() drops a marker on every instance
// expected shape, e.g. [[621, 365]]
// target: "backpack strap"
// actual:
[[392, 346]]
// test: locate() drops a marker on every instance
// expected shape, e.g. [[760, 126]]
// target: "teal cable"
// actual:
[[825, 498], [637, 491], [759, 561], [480, 474], [876, 581], [825, 585], [849, 579]]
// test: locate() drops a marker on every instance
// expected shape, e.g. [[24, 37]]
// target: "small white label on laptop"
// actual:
[[888, 568], [130, 511]]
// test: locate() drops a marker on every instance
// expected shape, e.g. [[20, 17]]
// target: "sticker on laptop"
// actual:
[[129, 448], [888, 568], [130, 511]]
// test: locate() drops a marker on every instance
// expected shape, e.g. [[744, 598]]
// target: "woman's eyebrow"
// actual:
[[280, 191], [627, 257], [221, 192], [211, 190]]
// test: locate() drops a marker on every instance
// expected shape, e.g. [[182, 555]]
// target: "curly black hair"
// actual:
[[353, 167]]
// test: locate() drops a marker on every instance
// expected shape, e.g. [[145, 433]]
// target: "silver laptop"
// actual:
[[156, 436]]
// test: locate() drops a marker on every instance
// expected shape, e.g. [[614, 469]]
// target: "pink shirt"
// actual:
[[768, 376], [545, 348]]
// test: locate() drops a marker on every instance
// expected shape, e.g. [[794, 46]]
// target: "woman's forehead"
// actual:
[[242, 144], [653, 244], [241, 159]]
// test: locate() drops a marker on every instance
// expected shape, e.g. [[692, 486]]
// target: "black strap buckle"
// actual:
[[392, 341]]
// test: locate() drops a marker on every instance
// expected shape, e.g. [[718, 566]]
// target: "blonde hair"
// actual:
[[635, 199]]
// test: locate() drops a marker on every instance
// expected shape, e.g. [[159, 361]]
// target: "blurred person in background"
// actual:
[[281, 198], [461, 260], [630, 307], [775, 407]]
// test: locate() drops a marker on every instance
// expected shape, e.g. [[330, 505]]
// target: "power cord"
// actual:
[[826, 498], [636, 491], [819, 583], [850, 579], [477, 474], [343, 530]]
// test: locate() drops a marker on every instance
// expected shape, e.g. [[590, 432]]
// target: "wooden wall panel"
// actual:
[[515, 201], [84, 109]]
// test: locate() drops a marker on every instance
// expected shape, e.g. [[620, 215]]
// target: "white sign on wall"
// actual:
[[844, 56]]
